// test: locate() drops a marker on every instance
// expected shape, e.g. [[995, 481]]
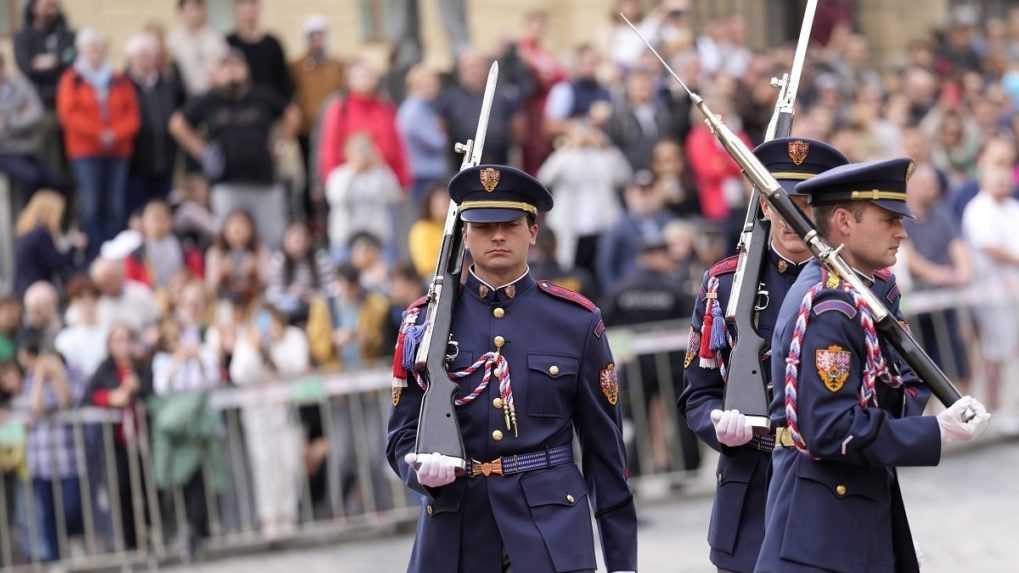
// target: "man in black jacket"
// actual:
[[44, 47], [160, 93]]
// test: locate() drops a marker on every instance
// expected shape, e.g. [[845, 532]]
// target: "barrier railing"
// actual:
[[301, 460]]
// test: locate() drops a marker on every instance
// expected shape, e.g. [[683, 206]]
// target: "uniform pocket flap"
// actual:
[[553, 486], [553, 366], [446, 499], [845, 480]]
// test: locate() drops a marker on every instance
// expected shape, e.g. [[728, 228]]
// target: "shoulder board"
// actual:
[[418, 303], [884, 274], [724, 266], [835, 304], [566, 294]]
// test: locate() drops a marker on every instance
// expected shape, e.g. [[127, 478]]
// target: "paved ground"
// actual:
[[965, 515]]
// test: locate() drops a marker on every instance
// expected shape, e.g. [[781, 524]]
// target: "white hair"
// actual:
[[140, 43], [40, 293], [88, 37], [315, 23], [102, 265]]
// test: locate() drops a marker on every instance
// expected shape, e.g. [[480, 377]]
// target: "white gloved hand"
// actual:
[[434, 470], [954, 429], [731, 428]]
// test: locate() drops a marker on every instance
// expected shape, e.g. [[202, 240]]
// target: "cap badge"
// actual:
[[489, 178], [798, 151]]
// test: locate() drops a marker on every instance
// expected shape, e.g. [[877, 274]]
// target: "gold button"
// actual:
[[570, 499], [499, 341], [429, 509], [840, 490], [553, 370], [497, 402], [496, 435], [498, 312]]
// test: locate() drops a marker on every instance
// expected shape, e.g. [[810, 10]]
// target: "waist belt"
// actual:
[[520, 463], [764, 443]]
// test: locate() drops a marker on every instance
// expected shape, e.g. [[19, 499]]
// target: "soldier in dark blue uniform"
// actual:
[[842, 409], [737, 519], [523, 502]]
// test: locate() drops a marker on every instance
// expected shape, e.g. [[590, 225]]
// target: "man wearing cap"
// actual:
[[737, 519], [842, 409], [522, 504], [317, 74]]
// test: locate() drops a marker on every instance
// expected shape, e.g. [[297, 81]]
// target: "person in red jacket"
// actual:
[[98, 111], [361, 110], [719, 179]]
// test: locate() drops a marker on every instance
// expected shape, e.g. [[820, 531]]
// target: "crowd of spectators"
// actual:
[[208, 214]]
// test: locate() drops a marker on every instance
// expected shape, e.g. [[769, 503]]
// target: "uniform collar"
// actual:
[[783, 263], [502, 294], [869, 279]]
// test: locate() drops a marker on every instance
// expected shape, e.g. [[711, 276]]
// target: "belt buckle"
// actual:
[[783, 437], [486, 469]]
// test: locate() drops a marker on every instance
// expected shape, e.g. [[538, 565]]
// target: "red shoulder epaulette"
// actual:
[[883, 274], [418, 303], [724, 266], [566, 294]]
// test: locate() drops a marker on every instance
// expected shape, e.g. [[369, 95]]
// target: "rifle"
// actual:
[[896, 334], [744, 388], [438, 427]]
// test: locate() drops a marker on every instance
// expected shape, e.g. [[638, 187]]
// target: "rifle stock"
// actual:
[[745, 389]]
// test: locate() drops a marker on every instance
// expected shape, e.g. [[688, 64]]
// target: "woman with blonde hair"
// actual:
[[38, 255]]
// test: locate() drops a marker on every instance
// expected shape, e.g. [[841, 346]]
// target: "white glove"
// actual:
[[434, 470], [731, 428], [954, 429]]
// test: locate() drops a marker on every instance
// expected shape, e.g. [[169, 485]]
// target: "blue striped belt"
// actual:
[[520, 463]]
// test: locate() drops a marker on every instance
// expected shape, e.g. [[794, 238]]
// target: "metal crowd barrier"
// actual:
[[359, 494], [355, 493], [7, 220], [86, 505]]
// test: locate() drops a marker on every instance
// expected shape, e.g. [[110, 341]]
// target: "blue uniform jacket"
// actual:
[[737, 517], [563, 382], [843, 510]]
